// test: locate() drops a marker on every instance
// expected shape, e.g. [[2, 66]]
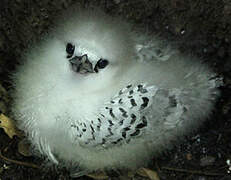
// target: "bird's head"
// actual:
[[97, 48]]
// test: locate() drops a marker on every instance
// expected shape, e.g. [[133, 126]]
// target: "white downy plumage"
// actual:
[[97, 94]]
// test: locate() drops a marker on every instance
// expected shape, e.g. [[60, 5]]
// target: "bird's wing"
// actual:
[[119, 120], [126, 117]]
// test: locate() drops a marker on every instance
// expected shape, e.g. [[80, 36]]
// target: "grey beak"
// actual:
[[81, 64]]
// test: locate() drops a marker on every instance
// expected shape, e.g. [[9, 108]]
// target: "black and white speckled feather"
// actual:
[[120, 120]]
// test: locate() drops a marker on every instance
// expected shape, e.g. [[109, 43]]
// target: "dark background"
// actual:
[[199, 27]]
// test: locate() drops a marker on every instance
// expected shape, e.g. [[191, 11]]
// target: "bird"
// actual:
[[98, 93]]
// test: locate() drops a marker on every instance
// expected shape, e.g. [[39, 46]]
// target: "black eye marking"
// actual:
[[70, 49], [102, 63]]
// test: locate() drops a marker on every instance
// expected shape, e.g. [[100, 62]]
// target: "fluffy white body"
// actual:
[[118, 116]]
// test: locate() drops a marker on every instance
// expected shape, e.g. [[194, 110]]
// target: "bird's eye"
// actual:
[[70, 49], [102, 63]]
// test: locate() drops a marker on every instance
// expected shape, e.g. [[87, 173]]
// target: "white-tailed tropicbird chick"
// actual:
[[96, 94]]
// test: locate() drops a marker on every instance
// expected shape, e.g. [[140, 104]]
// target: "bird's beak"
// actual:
[[81, 64]]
